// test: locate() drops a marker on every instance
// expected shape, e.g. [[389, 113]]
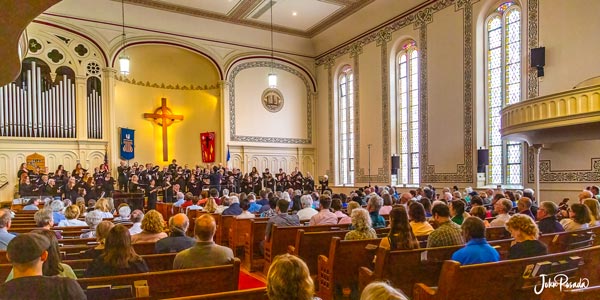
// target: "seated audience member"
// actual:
[[71, 215], [585, 194], [289, 278], [44, 219], [124, 214], [80, 202], [210, 206], [579, 218], [205, 253], [325, 216], [524, 206], [180, 199], [401, 236], [481, 213], [119, 257], [387, 204], [457, 208], [307, 210], [594, 208], [103, 207], [502, 207], [225, 201], [53, 265], [272, 208], [27, 253], [177, 240], [152, 228], [92, 219], [32, 204], [101, 233], [426, 202], [245, 205], [189, 201], [234, 208], [336, 206], [361, 224], [351, 206], [136, 218], [447, 232], [282, 218], [418, 221], [546, 214], [5, 222], [477, 250], [57, 207], [254, 207], [381, 291], [373, 206], [525, 232]]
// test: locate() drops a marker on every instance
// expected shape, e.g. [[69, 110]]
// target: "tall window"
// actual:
[[346, 126], [503, 88], [407, 102]]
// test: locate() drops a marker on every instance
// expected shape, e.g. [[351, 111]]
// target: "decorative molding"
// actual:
[[532, 42], [356, 83], [263, 139], [331, 172], [124, 79], [547, 175]]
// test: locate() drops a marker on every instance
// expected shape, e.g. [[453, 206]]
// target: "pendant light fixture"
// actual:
[[123, 59], [272, 75]]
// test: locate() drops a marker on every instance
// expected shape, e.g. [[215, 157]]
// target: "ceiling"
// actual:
[[304, 18]]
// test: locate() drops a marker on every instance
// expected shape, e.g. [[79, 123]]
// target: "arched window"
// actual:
[[503, 71], [407, 103], [345, 128]]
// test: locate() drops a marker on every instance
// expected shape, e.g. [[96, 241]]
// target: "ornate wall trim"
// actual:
[[214, 86], [355, 51], [264, 139], [532, 79], [331, 172], [548, 175]]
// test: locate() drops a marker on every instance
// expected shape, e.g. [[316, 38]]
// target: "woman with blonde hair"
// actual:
[[289, 278], [102, 231], [401, 236], [152, 228], [211, 205], [103, 208], [525, 232], [381, 291], [361, 222], [594, 207], [347, 219], [71, 214]]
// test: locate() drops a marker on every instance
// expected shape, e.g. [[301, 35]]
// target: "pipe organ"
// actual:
[[94, 108]]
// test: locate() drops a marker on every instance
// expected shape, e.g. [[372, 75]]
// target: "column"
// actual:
[[109, 130], [537, 149]]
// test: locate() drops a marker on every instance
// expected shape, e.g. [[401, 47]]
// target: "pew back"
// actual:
[[309, 245]]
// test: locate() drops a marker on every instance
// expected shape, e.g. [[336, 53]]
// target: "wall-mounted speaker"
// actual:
[[483, 159], [395, 164], [538, 59]]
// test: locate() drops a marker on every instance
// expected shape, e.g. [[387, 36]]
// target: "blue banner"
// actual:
[[127, 145]]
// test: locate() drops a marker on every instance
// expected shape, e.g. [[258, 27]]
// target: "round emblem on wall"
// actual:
[[272, 100]]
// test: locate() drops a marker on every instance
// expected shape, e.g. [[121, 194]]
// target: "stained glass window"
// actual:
[[503, 88], [407, 103], [345, 128]]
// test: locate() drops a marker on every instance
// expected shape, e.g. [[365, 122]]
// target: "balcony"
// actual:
[[561, 117]]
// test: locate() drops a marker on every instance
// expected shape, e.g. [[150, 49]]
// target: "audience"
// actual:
[[177, 240], [103, 207], [418, 220], [57, 207], [272, 208], [481, 213], [124, 214], [579, 218], [234, 208], [502, 207], [92, 219], [152, 228], [44, 219], [136, 218], [27, 254], [245, 206], [289, 278], [118, 258], [361, 226], [307, 211], [593, 206], [477, 250], [5, 222], [282, 218], [387, 204], [205, 253], [524, 206], [381, 291], [102, 231], [546, 214], [71, 214], [325, 216], [351, 206], [373, 206], [447, 232], [401, 236], [457, 208], [336, 206], [525, 232], [32, 204]]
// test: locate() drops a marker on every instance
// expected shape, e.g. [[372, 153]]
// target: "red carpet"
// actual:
[[248, 282]]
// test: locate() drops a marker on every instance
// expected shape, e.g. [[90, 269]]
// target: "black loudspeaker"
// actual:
[[538, 59], [395, 164], [483, 159]]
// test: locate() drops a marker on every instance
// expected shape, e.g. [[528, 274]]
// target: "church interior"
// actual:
[[480, 94]]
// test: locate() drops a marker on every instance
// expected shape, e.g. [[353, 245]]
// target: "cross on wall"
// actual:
[[164, 117]]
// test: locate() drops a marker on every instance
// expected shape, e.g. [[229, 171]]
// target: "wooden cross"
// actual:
[[164, 117]]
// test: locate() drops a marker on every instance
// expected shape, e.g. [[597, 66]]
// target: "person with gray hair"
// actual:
[[136, 218], [373, 206], [502, 206], [57, 207], [546, 215], [177, 240], [307, 211], [93, 218], [225, 192], [5, 222], [234, 208], [124, 214], [381, 291], [43, 219]]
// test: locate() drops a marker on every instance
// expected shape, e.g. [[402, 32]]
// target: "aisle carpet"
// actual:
[[248, 281]]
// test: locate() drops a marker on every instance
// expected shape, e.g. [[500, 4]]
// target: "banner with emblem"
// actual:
[[127, 144], [207, 141]]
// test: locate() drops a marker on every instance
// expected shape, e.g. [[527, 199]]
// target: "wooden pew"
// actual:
[[283, 236], [563, 241], [496, 233], [178, 283], [249, 294], [144, 248], [223, 225], [504, 279], [66, 242], [238, 230], [253, 260], [309, 245], [338, 271]]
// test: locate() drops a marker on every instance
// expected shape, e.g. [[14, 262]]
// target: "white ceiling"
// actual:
[[217, 6]]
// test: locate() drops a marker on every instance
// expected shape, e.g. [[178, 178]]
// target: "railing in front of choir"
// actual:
[[37, 107]]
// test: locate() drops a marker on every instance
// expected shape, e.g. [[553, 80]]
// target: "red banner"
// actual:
[[207, 140]]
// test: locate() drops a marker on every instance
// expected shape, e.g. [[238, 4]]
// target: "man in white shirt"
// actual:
[[502, 206], [136, 218], [307, 211]]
